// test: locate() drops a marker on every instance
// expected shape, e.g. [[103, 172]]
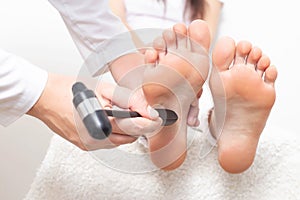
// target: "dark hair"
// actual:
[[194, 9]]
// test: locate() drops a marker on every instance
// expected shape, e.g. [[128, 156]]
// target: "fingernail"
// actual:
[[152, 112]]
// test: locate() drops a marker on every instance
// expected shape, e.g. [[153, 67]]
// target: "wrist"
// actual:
[[52, 95], [35, 110]]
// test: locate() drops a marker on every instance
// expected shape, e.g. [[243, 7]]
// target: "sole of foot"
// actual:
[[242, 80]]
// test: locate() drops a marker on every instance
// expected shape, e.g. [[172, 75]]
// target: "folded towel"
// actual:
[[71, 174]]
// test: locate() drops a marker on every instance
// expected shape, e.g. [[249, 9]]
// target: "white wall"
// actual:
[[272, 25], [34, 30]]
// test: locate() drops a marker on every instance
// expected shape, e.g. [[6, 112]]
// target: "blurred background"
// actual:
[[34, 30]]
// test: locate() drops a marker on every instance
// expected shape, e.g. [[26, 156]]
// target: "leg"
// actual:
[[174, 83], [243, 81]]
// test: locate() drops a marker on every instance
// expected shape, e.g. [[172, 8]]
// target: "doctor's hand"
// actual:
[[124, 130], [56, 110]]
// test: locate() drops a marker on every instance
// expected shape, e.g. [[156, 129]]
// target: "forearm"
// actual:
[[212, 15], [118, 7], [56, 110]]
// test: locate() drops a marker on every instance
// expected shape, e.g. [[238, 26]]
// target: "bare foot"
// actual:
[[174, 83], [242, 80]]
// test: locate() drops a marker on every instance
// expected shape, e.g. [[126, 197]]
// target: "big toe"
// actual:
[[223, 53], [199, 34]]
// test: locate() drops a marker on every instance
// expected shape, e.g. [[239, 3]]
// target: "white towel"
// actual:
[[68, 173]]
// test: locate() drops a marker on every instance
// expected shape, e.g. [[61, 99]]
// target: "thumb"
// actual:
[[129, 99], [139, 104]]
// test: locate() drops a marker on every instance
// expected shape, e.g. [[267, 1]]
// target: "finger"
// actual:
[[117, 95], [128, 99], [151, 56], [119, 139], [159, 45], [139, 104], [137, 126], [105, 92]]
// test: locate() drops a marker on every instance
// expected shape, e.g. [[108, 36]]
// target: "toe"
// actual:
[[243, 49], [270, 75], [151, 56], [170, 39], [160, 48], [193, 113], [223, 53], [180, 32], [199, 34], [253, 57], [263, 64], [159, 44]]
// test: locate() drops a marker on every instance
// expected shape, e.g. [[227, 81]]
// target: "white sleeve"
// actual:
[[90, 22], [21, 85]]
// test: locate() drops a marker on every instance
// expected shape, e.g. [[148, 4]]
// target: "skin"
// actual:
[[56, 110], [242, 84], [243, 80], [157, 142], [212, 14], [185, 70], [237, 145], [133, 61]]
